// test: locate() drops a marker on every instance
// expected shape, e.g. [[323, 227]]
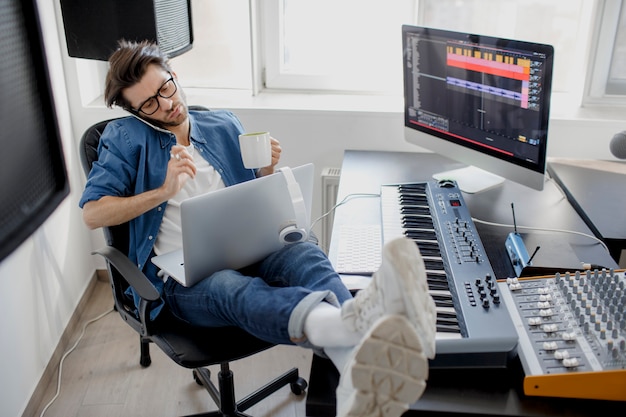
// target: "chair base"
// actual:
[[224, 397]]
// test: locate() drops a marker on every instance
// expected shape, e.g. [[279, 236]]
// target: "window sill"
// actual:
[[276, 100]]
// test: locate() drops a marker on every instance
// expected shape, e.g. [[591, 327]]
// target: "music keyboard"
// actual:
[[474, 328]]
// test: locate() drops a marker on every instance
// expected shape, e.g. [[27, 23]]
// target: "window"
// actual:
[[564, 24], [221, 53], [352, 45], [355, 45], [616, 84], [607, 81]]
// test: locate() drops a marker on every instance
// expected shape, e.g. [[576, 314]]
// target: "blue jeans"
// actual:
[[269, 299]]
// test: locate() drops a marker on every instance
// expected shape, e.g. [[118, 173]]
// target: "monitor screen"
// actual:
[[480, 100], [33, 178]]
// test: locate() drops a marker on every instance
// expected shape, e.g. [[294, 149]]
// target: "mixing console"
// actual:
[[572, 333]]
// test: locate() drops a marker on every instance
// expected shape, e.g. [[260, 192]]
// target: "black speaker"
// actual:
[[93, 28], [33, 179]]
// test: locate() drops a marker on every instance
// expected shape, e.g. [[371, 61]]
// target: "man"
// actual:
[[380, 340]]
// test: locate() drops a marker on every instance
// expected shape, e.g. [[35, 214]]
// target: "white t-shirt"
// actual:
[[207, 179]]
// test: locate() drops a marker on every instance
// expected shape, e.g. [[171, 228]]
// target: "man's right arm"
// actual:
[[113, 210]]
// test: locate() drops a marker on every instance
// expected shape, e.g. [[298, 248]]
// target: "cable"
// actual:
[[342, 202], [544, 230], [70, 350]]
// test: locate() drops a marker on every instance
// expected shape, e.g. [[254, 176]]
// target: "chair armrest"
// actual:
[[129, 272]]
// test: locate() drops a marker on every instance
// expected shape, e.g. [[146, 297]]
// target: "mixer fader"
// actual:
[[572, 333]]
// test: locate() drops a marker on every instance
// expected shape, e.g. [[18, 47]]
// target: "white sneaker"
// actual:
[[386, 373], [398, 287]]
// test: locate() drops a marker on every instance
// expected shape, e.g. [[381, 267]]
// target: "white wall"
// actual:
[[45, 278]]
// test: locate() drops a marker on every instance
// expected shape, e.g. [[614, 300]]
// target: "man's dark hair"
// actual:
[[127, 65]]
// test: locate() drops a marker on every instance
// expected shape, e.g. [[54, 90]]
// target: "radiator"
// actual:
[[330, 185]]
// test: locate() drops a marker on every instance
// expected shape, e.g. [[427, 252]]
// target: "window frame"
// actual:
[[603, 44]]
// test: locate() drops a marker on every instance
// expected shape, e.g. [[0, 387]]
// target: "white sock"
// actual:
[[339, 357], [325, 328]]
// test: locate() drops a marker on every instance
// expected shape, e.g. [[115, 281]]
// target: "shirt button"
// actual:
[[159, 208], [149, 237]]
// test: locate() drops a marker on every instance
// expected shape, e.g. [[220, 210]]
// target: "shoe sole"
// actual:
[[402, 254], [389, 370]]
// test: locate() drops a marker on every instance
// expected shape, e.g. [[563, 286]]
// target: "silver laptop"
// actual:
[[239, 225]]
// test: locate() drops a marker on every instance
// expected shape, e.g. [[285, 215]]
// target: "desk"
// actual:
[[597, 190], [476, 391]]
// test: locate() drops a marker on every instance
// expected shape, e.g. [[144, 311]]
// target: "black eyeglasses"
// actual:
[[151, 105]]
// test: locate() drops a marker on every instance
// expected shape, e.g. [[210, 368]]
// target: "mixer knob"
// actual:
[[569, 336], [550, 346], [486, 303], [561, 354], [603, 334], [598, 326], [550, 328], [496, 299], [614, 333], [570, 362]]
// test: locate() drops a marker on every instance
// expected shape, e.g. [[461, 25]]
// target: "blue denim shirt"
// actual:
[[133, 157]]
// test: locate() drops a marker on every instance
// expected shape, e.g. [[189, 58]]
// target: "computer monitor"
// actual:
[[480, 100]]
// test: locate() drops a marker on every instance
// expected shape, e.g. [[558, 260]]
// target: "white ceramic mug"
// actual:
[[256, 149]]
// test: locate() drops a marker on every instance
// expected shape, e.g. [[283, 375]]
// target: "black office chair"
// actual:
[[188, 346]]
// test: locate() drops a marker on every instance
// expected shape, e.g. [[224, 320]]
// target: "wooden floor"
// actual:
[[102, 376]]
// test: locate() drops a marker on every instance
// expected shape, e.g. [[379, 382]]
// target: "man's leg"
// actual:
[[386, 371]]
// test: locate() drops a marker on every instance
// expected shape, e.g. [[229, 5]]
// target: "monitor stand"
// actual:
[[471, 179]]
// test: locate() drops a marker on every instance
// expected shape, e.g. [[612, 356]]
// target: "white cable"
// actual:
[[544, 230], [70, 350]]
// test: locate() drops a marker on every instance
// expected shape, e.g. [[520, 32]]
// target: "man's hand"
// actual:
[[276, 150], [179, 169]]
